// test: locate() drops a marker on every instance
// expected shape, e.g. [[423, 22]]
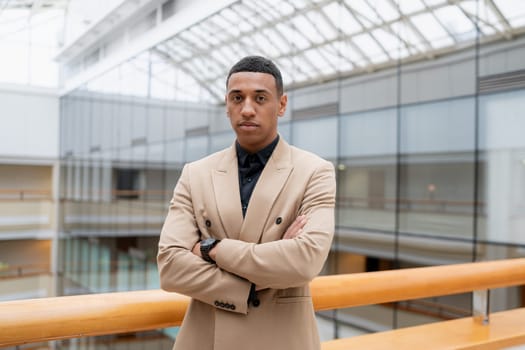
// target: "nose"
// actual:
[[248, 109]]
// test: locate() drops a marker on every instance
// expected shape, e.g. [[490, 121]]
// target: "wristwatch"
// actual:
[[206, 246]]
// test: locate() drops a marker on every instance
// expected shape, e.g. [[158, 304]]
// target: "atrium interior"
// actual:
[[417, 103]]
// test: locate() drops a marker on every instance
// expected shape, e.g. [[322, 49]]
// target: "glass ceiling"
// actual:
[[311, 41], [29, 40], [318, 40]]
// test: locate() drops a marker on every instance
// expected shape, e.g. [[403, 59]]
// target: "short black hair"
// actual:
[[258, 64]]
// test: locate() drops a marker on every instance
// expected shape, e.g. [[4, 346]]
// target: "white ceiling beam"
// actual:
[[195, 11]]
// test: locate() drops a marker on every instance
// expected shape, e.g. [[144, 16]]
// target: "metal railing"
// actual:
[[37, 320]]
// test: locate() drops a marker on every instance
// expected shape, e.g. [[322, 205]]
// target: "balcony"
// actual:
[[46, 319]]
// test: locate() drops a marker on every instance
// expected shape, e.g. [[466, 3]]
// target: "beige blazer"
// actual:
[[206, 203]]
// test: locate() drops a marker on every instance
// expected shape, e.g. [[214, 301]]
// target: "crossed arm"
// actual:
[[292, 261], [294, 230]]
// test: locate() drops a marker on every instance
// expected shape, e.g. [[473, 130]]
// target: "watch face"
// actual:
[[208, 242], [206, 246]]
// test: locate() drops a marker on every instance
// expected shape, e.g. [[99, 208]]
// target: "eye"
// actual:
[[236, 98], [260, 98]]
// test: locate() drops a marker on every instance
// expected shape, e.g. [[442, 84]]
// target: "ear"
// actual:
[[283, 101]]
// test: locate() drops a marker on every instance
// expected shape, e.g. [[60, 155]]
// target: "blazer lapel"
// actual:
[[268, 187], [226, 188]]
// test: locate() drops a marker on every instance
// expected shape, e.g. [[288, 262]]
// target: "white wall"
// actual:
[[29, 119]]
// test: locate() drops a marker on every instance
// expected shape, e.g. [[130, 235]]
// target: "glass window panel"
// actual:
[[370, 47], [438, 127], [389, 41], [283, 7], [104, 269], [68, 264], [75, 259], [261, 41], [348, 52], [137, 274], [513, 10], [139, 124], [155, 124], [84, 263], [486, 15], [317, 60], [411, 6], [123, 272], [324, 144], [269, 14], [219, 141], [432, 30], [152, 277], [501, 139], [196, 147], [277, 40], [456, 22], [364, 13], [333, 56], [299, 4], [296, 39], [342, 18], [411, 41], [94, 268], [367, 172], [437, 192], [327, 29], [285, 130], [175, 151], [369, 134], [305, 27], [385, 9], [434, 2]]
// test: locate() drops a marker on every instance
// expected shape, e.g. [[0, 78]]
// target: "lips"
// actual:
[[248, 125]]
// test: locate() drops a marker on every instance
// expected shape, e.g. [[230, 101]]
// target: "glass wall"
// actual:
[[430, 171]]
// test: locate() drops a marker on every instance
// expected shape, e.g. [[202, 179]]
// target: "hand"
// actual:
[[197, 249], [296, 228]]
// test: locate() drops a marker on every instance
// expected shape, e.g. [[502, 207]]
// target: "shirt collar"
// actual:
[[263, 154]]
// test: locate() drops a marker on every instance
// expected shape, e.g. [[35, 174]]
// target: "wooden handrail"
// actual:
[[35, 320], [332, 292]]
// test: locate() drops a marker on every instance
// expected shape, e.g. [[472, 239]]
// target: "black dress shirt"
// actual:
[[251, 166]]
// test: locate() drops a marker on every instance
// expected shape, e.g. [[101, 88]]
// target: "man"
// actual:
[[249, 227]]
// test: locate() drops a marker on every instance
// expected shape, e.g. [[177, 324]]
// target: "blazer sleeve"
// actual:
[[182, 271], [291, 262]]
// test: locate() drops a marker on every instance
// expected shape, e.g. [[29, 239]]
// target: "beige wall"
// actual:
[[33, 177], [25, 252]]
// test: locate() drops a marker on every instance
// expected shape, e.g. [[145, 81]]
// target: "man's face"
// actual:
[[253, 106]]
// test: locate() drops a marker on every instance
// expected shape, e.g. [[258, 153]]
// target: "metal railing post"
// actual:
[[480, 306]]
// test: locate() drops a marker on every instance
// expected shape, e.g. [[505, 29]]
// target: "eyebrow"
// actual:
[[258, 91]]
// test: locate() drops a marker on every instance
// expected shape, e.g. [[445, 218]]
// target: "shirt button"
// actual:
[[208, 223], [279, 220]]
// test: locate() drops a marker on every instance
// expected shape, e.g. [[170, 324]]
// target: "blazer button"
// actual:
[[232, 307], [208, 223], [217, 303], [279, 220], [256, 302]]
